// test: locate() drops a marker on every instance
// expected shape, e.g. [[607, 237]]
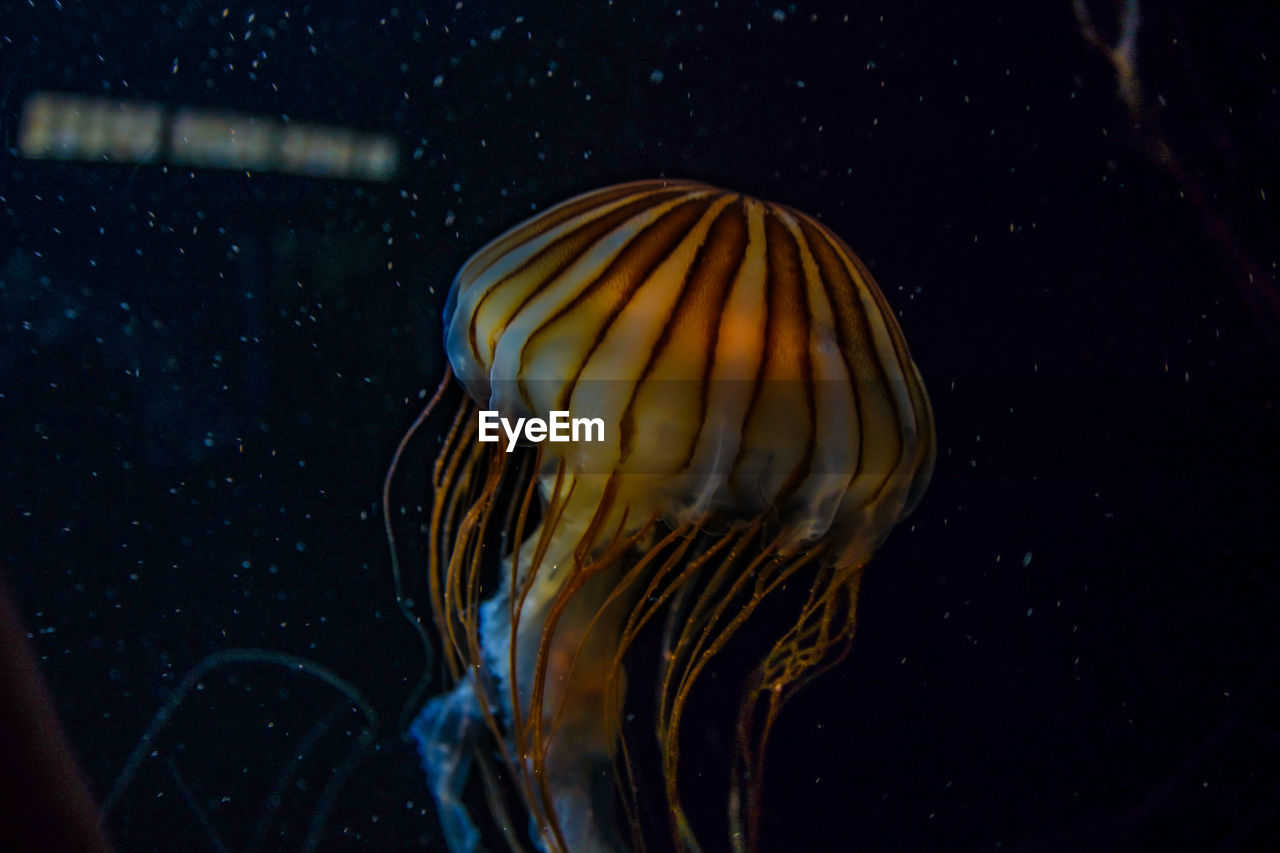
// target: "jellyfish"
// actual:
[[765, 428]]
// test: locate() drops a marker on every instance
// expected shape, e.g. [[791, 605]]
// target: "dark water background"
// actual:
[[1072, 645]]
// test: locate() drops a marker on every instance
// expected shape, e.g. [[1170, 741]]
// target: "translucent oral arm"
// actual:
[[446, 730]]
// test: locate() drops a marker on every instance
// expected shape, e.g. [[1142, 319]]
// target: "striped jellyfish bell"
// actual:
[[740, 354]]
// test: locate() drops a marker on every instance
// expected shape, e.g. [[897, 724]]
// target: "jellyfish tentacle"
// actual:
[[404, 601], [820, 639], [353, 700], [706, 630]]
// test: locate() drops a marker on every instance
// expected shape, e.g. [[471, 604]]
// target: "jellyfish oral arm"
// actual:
[[446, 730], [547, 675]]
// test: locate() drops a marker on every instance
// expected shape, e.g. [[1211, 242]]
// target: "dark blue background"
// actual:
[[1072, 644]]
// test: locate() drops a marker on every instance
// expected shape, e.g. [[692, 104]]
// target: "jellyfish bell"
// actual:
[[762, 417]]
